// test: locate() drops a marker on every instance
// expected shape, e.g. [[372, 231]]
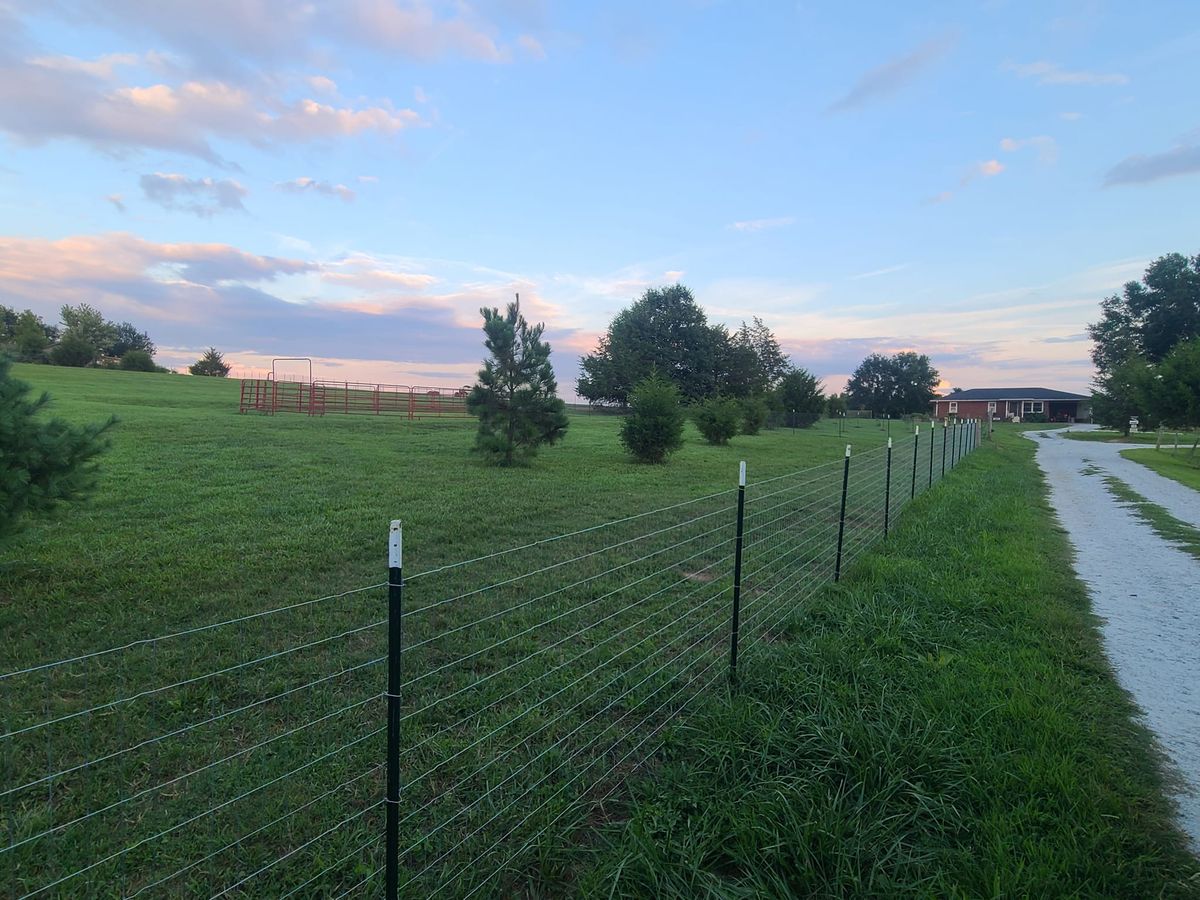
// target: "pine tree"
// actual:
[[654, 427], [41, 462], [516, 397], [211, 363]]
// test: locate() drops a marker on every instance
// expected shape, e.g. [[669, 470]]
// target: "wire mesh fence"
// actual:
[[440, 733]]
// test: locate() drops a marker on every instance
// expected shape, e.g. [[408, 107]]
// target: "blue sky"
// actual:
[[351, 181]]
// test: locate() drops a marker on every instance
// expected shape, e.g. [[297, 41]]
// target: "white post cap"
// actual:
[[395, 545]]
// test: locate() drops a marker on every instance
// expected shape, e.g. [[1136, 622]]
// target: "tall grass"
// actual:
[[943, 723]]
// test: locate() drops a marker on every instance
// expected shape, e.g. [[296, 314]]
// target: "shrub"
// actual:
[[73, 349], [654, 427], [41, 462], [754, 414], [138, 361], [717, 419]]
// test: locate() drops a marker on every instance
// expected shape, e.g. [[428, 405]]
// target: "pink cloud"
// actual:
[[119, 267], [41, 101], [223, 35], [416, 31], [306, 185]]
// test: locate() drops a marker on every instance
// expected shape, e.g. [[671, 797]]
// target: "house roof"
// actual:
[[1018, 393]]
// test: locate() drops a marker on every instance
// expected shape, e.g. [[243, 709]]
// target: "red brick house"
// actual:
[[1005, 404]]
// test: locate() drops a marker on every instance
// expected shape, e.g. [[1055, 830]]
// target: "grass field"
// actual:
[[1181, 465], [1112, 437], [202, 513], [942, 724], [246, 757]]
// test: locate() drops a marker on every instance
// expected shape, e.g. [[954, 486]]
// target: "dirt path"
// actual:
[[1146, 590]]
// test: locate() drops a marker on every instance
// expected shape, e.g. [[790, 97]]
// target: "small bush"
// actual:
[[138, 361], [654, 427], [73, 350], [754, 414], [718, 420], [1034, 418]]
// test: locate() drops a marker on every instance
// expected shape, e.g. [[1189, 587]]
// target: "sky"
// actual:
[[351, 181]]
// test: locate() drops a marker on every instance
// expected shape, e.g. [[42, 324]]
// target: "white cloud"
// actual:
[[225, 36], [763, 224], [1051, 73], [531, 46], [1046, 147], [989, 168], [117, 201], [875, 273], [1070, 116], [322, 85], [306, 185], [102, 67], [201, 196], [41, 102]]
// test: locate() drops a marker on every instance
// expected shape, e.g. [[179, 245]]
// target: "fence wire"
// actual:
[[247, 757]]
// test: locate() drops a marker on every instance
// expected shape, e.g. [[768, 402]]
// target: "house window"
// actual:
[[1032, 406], [953, 406], [991, 406]]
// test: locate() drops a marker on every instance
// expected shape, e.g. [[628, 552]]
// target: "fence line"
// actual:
[[534, 677]]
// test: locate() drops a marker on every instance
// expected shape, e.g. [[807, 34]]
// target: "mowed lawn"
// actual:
[[247, 758], [941, 724], [1182, 465], [203, 513]]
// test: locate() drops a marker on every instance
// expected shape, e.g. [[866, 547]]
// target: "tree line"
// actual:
[[667, 332], [662, 362], [1146, 349], [84, 338]]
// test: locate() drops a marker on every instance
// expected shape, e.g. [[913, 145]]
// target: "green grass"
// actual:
[[1183, 466], [1167, 438], [535, 681], [1112, 437], [943, 723], [1181, 534], [205, 515]]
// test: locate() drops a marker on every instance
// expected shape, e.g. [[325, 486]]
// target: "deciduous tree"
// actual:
[[1172, 389], [893, 385], [664, 331], [1150, 316]]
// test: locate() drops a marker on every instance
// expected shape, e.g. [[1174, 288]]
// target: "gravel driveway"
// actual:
[[1146, 590]]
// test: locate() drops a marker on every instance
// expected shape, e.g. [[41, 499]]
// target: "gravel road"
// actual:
[[1146, 590]]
